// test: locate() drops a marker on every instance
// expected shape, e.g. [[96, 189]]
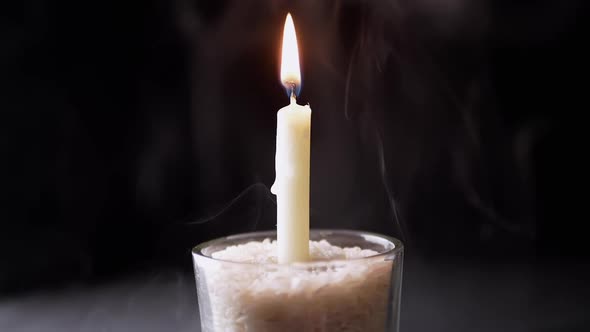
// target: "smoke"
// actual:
[[258, 189], [425, 70], [407, 136]]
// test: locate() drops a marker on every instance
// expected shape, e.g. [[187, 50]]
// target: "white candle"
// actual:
[[292, 160]]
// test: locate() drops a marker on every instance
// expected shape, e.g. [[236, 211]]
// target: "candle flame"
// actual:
[[290, 72]]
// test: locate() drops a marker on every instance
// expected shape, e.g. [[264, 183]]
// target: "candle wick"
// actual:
[[293, 97]]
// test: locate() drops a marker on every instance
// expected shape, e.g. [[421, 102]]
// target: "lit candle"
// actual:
[[292, 159], [341, 280]]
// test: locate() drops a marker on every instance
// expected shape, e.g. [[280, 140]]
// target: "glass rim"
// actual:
[[398, 247]]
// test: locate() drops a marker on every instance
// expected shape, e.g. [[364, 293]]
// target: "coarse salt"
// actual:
[[337, 291]]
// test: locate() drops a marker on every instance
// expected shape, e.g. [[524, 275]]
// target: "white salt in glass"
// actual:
[[360, 294]]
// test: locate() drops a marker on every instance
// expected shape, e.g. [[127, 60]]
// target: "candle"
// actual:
[[292, 159]]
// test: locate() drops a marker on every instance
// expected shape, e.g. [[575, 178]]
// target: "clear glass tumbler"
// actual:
[[361, 294]]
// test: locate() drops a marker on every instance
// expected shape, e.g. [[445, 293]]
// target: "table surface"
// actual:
[[437, 296]]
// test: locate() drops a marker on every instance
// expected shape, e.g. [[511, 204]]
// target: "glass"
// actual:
[[360, 294]]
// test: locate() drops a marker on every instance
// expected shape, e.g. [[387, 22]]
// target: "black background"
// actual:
[[132, 131]]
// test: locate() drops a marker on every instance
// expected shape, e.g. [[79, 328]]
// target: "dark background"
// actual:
[[134, 130]]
